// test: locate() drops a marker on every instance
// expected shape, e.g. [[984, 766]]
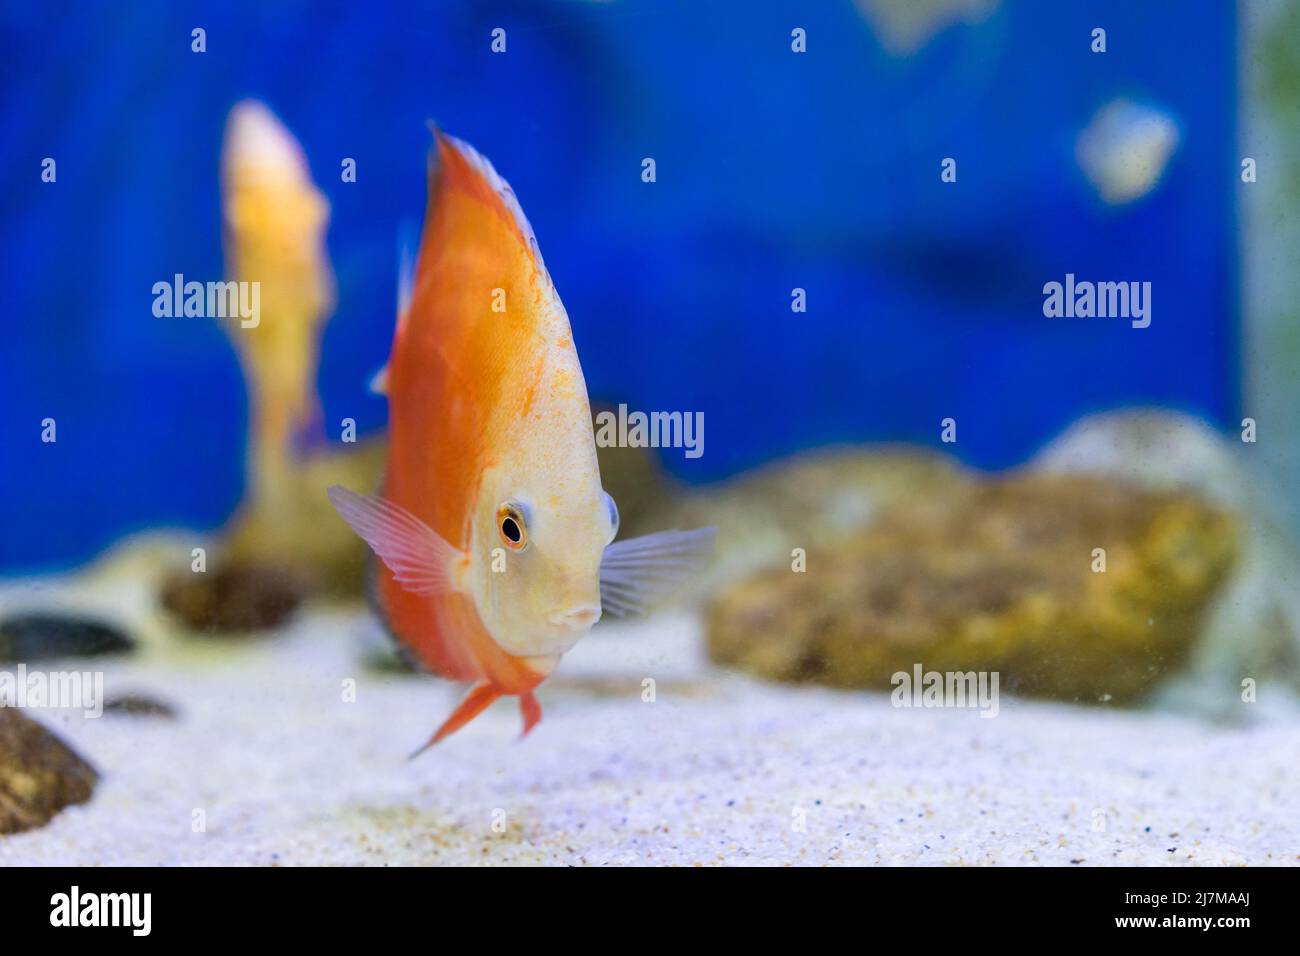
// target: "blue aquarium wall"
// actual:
[[775, 170]]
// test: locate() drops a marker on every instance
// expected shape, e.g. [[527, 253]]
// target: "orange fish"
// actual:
[[493, 530]]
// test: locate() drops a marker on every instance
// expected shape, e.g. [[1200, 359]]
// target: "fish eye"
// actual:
[[512, 527], [612, 510]]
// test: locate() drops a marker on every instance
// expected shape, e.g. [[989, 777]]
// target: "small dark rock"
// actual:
[[41, 635], [139, 705], [39, 774], [239, 597]]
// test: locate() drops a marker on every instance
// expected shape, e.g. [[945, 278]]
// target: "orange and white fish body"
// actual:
[[493, 529]]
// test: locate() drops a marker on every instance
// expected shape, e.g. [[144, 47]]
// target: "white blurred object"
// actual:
[[904, 26], [1125, 149]]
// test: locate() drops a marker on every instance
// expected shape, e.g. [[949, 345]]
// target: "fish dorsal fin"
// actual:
[[481, 165], [405, 273], [378, 384]]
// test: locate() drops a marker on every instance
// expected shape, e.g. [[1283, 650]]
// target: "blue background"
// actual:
[[775, 170]]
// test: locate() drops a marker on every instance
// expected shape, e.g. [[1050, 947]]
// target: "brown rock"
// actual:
[[236, 598], [139, 705], [996, 576], [291, 524], [39, 774], [813, 497]]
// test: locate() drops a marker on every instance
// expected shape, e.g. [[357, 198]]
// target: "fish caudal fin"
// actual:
[[636, 573], [531, 711], [420, 559], [476, 701]]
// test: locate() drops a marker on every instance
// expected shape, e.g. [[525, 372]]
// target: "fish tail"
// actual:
[[476, 701], [531, 711]]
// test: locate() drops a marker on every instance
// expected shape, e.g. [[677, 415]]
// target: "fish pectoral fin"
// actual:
[[420, 559], [475, 702], [637, 572], [531, 711]]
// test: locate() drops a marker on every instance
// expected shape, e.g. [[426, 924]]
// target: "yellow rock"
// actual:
[[994, 575]]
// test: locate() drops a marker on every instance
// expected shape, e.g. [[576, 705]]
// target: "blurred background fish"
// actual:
[[275, 220]]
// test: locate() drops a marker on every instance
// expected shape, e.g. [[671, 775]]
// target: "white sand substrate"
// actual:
[[268, 764]]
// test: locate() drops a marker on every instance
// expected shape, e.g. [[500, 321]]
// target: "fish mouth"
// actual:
[[582, 615]]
